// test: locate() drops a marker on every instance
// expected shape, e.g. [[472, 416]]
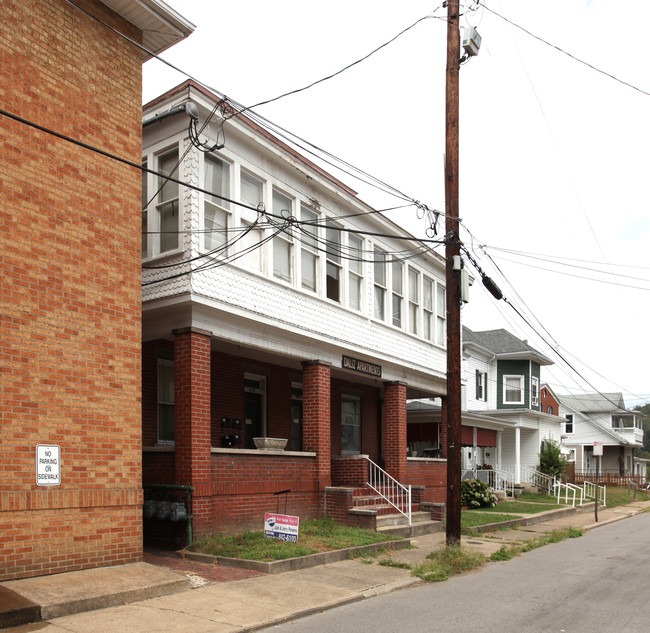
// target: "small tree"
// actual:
[[551, 460]]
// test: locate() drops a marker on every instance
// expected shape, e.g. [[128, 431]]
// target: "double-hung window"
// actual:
[[414, 300], [534, 391], [333, 268], [513, 390], [380, 289], [251, 192], [282, 241], [216, 213], [165, 400], [441, 315], [355, 271], [167, 207], [428, 297], [568, 425], [309, 248], [481, 385], [397, 293]]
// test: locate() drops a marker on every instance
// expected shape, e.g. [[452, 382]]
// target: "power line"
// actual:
[[573, 57]]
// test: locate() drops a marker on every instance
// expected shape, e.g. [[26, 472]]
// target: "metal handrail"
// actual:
[[538, 479], [391, 490], [592, 489], [559, 486], [498, 480]]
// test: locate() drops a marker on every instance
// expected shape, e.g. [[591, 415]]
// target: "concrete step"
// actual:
[[16, 609]]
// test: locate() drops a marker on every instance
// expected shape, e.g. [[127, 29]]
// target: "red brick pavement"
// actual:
[[212, 573]]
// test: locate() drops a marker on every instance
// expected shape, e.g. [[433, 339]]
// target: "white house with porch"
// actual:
[[596, 417], [503, 422]]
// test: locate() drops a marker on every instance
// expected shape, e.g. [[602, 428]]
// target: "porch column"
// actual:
[[499, 445], [394, 436], [316, 417], [192, 441], [517, 455]]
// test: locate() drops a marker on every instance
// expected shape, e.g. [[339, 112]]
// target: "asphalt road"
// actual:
[[597, 583]]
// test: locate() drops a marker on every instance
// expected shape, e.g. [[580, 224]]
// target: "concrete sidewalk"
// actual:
[[144, 597]]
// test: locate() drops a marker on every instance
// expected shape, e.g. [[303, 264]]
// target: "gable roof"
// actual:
[[503, 345], [595, 402]]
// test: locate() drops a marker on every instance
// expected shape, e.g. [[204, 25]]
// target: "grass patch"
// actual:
[[522, 507], [620, 496], [474, 518], [556, 536], [317, 535], [388, 562], [448, 561]]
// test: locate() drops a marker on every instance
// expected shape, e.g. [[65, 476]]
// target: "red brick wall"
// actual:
[[243, 487], [429, 473], [395, 430], [69, 289], [349, 470]]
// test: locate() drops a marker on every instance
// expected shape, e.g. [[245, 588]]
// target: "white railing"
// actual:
[[387, 487], [535, 478], [498, 480], [568, 489], [592, 489]]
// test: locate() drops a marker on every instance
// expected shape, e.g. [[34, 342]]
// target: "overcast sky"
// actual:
[[554, 153]]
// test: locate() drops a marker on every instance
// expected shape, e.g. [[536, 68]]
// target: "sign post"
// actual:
[[598, 452]]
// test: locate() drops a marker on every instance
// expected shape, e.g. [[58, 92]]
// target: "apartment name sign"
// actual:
[[361, 366]]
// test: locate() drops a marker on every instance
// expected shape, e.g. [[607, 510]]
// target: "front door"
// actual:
[[350, 425], [254, 407]]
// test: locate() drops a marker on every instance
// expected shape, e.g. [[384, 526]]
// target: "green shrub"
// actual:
[[476, 494], [551, 460]]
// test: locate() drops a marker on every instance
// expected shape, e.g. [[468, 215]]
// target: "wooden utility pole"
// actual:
[[452, 254]]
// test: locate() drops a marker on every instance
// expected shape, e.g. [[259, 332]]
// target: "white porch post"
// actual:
[[499, 441], [474, 450], [517, 455]]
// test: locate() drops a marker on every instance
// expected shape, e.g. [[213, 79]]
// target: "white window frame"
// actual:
[[397, 293], [309, 254], [161, 203], [333, 267], [413, 285], [428, 308], [534, 391], [212, 205], [380, 264], [283, 239], [569, 421], [355, 272], [481, 385], [145, 207], [249, 247], [441, 315], [520, 378]]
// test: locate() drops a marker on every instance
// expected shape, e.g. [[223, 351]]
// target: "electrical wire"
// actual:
[[557, 48]]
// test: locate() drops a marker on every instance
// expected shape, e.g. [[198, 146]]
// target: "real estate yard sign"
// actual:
[[281, 526]]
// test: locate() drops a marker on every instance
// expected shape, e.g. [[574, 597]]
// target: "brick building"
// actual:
[[276, 304], [70, 300]]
